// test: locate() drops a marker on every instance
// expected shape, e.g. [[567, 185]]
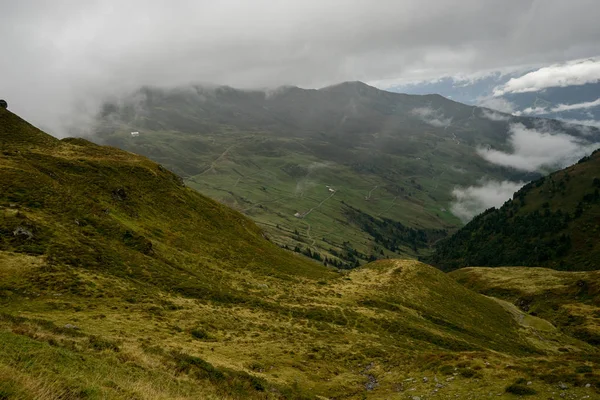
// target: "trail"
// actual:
[[455, 139], [437, 179], [214, 163], [308, 233], [389, 208], [371, 191], [318, 205]]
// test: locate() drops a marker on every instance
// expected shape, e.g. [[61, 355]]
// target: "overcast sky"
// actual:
[[60, 54]]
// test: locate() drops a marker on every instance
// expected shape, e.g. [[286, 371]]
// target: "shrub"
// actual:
[[100, 344], [200, 334], [520, 390], [583, 369]]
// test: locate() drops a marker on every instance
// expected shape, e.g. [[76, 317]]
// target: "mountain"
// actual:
[[576, 103], [550, 222], [118, 281], [570, 300], [343, 174]]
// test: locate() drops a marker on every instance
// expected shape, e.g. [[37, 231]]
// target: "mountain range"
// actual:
[[551, 222], [559, 94], [345, 174], [119, 281]]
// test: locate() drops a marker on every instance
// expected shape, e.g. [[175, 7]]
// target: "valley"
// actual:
[[302, 162], [118, 281]]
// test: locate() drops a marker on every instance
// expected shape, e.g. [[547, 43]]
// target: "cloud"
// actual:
[[494, 116], [578, 72], [432, 117], [64, 54], [498, 104], [538, 149], [559, 108], [474, 200], [578, 106], [587, 123]]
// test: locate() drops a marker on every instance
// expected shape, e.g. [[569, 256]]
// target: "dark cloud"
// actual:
[[64, 54]]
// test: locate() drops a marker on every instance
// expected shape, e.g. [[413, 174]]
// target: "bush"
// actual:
[[102, 344], [200, 334], [520, 389], [583, 369]]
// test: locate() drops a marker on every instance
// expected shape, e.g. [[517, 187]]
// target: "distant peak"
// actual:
[[353, 87], [349, 84]]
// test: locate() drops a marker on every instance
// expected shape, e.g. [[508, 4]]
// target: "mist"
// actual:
[[62, 58], [538, 150], [473, 200]]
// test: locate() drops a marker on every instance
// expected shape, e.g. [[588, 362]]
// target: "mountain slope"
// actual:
[[550, 222], [324, 172], [116, 281], [570, 300]]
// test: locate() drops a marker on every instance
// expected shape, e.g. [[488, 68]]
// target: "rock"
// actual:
[[371, 383], [587, 385], [70, 326], [425, 379], [119, 194], [20, 231], [563, 385], [439, 385], [529, 383], [416, 398], [450, 379]]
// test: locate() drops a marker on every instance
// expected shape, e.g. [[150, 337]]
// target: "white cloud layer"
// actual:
[[585, 123], [573, 73], [61, 53], [474, 200], [432, 117], [538, 150], [577, 106], [498, 104]]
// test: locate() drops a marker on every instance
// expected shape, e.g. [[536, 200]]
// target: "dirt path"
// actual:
[[370, 192], [318, 205], [214, 163], [389, 208]]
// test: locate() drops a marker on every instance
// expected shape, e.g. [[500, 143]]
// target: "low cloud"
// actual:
[[578, 72], [432, 117], [474, 200], [498, 104], [578, 106], [538, 149], [584, 125], [495, 116], [559, 108]]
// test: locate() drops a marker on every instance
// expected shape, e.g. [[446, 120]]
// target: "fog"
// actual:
[[61, 58]]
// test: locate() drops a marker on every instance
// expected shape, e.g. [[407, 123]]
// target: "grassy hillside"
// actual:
[[570, 300], [551, 222], [117, 281], [301, 162]]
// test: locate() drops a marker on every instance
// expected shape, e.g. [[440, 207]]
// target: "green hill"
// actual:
[[570, 300], [117, 281], [552, 222], [347, 173]]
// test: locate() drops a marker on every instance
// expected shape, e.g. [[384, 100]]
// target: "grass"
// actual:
[[271, 157], [133, 286], [551, 222], [568, 300]]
